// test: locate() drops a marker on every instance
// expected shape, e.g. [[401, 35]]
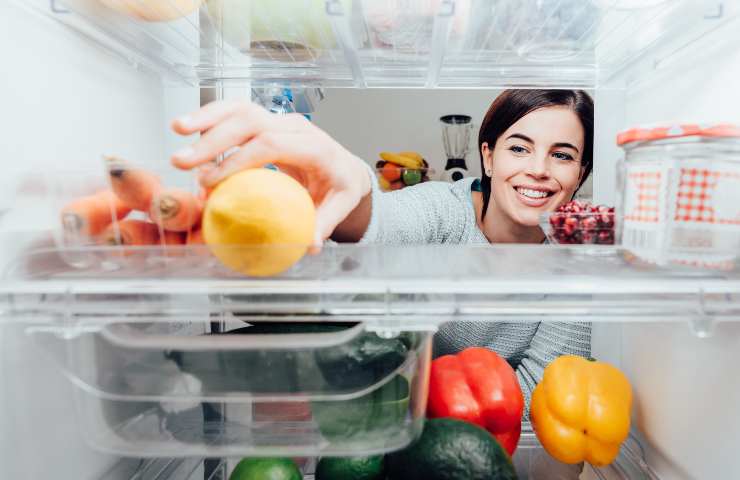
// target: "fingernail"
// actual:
[[186, 121], [184, 153]]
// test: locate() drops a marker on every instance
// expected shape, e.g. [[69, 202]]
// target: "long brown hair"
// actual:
[[512, 105]]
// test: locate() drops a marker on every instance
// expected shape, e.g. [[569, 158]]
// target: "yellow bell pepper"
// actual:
[[581, 410]]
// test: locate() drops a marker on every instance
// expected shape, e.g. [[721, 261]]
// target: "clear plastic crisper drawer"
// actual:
[[299, 389]]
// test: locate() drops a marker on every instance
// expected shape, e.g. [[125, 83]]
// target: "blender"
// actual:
[[456, 130]]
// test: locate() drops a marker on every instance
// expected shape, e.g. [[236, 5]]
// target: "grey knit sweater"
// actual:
[[443, 213]]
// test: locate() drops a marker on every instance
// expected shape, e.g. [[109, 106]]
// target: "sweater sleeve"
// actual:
[[423, 214], [551, 340]]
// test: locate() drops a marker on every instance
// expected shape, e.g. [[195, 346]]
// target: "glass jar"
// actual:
[[679, 194]]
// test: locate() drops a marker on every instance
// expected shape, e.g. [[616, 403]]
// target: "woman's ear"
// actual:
[[487, 154]]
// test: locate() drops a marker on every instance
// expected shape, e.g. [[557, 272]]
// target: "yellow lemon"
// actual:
[[259, 222]]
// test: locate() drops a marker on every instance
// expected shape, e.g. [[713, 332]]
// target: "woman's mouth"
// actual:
[[533, 196]]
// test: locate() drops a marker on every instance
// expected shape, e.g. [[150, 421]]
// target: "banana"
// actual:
[[401, 160], [413, 155]]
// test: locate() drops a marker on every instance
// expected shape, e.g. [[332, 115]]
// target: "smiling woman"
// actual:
[[536, 151]]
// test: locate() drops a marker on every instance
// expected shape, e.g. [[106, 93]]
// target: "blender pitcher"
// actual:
[[456, 131]]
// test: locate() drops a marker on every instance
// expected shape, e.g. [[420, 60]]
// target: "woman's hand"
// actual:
[[336, 179]]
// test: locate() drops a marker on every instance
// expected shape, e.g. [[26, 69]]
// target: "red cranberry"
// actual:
[[589, 223], [556, 220], [606, 237], [607, 220], [583, 222]]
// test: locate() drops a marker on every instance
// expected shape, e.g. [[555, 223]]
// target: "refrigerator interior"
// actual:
[[83, 80]]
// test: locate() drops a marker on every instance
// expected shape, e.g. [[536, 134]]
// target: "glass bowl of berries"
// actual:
[[579, 222]]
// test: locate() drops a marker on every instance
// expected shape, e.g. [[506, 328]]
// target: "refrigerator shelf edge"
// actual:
[[385, 287]]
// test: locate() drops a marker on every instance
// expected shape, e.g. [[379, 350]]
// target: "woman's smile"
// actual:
[[535, 196]]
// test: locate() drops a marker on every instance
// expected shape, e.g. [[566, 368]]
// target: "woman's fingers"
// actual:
[[290, 149], [230, 124], [235, 130], [212, 114], [331, 212]]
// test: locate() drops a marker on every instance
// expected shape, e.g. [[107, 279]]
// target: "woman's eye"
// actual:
[[562, 156], [518, 149]]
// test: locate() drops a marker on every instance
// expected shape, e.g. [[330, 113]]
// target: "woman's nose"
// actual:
[[539, 166]]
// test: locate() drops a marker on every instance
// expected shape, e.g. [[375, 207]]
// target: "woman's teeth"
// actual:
[[533, 193]]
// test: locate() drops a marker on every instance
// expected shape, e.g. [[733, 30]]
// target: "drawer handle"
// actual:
[[125, 337]]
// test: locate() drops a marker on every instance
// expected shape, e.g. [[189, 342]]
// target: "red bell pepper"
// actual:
[[479, 387]]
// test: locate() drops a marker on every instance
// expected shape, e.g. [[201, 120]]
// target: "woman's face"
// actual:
[[536, 164]]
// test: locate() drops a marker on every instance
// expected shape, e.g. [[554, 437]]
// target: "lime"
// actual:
[[266, 469], [411, 177]]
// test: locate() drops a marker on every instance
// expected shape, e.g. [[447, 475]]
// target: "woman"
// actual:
[[536, 150]]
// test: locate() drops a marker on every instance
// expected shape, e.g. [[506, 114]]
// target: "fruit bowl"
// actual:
[[394, 177], [579, 223]]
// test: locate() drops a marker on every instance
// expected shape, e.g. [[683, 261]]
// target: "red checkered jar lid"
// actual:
[[679, 132]]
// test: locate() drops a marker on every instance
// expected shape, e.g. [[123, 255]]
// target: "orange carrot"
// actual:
[[195, 237], [134, 186], [176, 210], [92, 214], [131, 232]]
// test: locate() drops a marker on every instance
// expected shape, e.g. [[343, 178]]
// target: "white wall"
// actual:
[[370, 121], [687, 388], [64, 104]]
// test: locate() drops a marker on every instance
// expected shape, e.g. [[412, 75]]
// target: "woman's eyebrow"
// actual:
[[520, 136], [565, 145]]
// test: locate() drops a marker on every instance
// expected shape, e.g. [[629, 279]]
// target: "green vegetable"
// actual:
[[363, 361], [359, 363], [378, 414], [451, 449], [353, 468]]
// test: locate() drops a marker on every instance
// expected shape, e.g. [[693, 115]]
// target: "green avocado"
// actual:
[[451, 449]]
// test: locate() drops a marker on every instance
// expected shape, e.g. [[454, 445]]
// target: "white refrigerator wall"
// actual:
[[64, 103]]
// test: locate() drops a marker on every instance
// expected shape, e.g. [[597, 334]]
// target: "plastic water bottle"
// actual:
[[283, 102]]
